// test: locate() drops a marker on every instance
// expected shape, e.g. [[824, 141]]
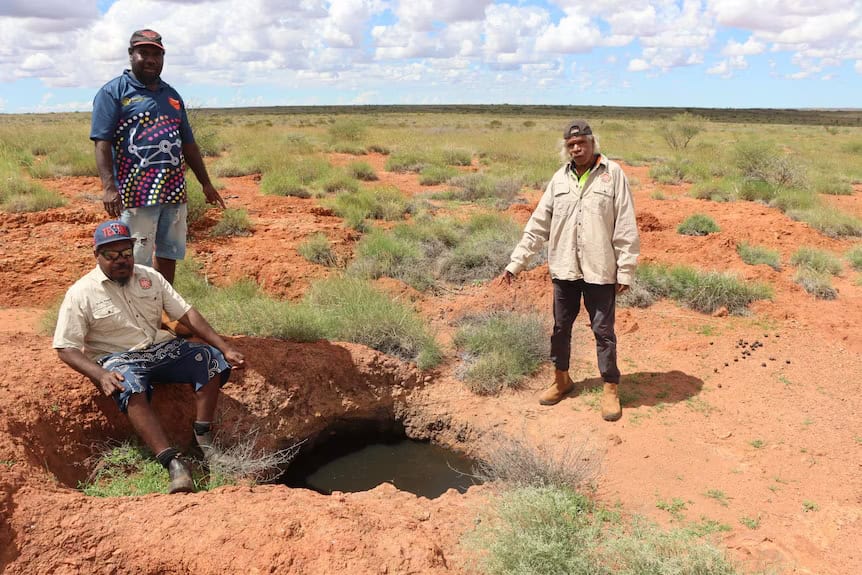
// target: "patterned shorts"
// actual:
[[174, 361]]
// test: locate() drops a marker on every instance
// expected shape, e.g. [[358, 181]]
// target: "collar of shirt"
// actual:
[[137, 83], [581, 180]]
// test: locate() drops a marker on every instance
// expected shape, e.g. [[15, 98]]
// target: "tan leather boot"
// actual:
[[562, 385], [611, 409]]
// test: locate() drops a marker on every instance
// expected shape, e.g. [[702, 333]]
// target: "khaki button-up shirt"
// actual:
[[99, 316], [591, 233]]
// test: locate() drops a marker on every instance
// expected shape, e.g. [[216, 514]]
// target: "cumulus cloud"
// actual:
[[49, 9]]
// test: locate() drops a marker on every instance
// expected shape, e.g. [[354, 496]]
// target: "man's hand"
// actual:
[[233, 357], [621, 288], [505, 279], [109, 382], [212, 196], [112, 202]]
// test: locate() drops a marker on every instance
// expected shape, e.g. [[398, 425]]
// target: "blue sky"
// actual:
[[222, 53]]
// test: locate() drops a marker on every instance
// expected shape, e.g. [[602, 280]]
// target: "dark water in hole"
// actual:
[[350, 466]]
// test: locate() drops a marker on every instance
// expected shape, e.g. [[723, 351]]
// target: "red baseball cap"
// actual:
[[146, 37]]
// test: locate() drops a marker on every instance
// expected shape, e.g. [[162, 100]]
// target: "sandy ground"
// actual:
[[777, 433]]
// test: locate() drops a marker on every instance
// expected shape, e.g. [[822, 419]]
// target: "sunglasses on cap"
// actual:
[[114, 255]]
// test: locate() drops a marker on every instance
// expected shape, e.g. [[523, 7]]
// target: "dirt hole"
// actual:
[[360, 455]]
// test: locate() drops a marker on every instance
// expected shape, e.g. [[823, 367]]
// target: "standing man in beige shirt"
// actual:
[[109, 329], [586, 216]]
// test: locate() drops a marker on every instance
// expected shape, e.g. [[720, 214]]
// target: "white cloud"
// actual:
[[858, 66], [575, 33], [750, 47], [421, 16], [49, 9], [638, 65]]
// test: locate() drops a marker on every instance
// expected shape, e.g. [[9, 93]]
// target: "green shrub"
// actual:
[[681, 130], [714, 190], [318, 249], [347, 130], [433, 175], [697, 225], [283, 183], [476, 186], [456, 157], [793, 199], [757, 191], [756, 255], [481, 254], [337, 183], [761, 161], [379, 149], [669, 173], [409, 161], [854, 256], [829, 221], [701, 291], [500, 349], [552, 531], [354, 311], [233, 222], [384, 203], [816, 283], [392, 254], [349, 148], [816, 260], [30, 198], [196, 201], [361, 171], [833, 187]]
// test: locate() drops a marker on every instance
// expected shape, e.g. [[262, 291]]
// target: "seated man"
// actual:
[[108, 329]]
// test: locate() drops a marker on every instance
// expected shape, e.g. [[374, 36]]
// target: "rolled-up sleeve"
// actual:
[[71, 323]]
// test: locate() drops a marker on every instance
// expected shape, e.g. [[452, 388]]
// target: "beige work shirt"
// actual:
[[99, 316], [591, 232]]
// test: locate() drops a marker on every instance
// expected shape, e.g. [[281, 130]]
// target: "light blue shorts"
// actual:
[[163, 227]]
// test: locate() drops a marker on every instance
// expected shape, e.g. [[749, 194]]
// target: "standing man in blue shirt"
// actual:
[[143, 141]]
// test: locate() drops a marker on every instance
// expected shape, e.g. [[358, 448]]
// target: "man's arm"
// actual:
[[192, 155], [105, 165], [107, 381], [201, 328]]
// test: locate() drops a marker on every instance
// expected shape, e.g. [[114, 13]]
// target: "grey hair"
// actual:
[[564, 154]]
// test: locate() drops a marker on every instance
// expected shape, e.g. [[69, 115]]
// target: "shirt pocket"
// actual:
[[146, 303], [599, 200], [106, 315], [564, 199]]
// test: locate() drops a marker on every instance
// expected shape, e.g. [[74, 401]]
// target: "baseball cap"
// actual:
[[146, 36], [111, 231], [577, 128]]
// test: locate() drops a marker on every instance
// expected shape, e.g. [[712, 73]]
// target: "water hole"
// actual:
[[359, 458]]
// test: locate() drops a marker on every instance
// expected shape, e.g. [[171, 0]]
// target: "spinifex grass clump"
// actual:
[[817, 260], [550, 530], [701, 291], [352, 310], [19, 193], [854, 256], [344, 309], [318, 249], [697, 225], [361, 171], [430, 250], [500, 349], [234, 222], [477, 186], [382, 203], [756, 255]]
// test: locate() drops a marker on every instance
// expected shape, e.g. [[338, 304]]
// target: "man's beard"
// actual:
[[122, 282]]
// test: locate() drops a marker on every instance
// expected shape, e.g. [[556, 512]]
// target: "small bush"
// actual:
[[455, 157], [697, 225], [348, 148], [701, 291], [385, 203], [477, 186], [550, 531], [283, 183], [714, 190], [434, 175], [20, 194], [339, 183], [829, 221], [379, 149], [756, 255], [361, 171], [353, 311], [407, 162], [317, 249], [636, 296], [669, 173], [833, 187], [816, 283], [681, 130], [517, 463], [347, 130], [816, 260], [761, 161], [234, 222], [500, 349], [854, 256]]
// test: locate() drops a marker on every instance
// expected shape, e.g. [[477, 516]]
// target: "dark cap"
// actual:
[[110, 232], [577, 128], [146, 36]]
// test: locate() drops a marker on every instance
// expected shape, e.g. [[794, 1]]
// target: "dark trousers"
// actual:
[[600, 301]]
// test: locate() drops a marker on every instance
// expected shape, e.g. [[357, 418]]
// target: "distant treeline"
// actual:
[[820, 117], [802, 116]]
